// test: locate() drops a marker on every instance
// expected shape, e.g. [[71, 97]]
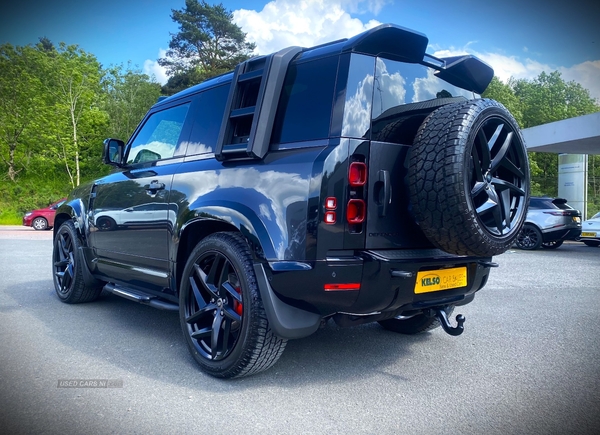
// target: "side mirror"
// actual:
[[113, 152]]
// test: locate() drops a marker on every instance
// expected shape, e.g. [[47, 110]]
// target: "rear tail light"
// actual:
[[357, 174], [356, 211], [330, 206], [558, 213]]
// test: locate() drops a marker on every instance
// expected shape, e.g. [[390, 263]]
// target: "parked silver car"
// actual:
[[590, 231], [550, 221]]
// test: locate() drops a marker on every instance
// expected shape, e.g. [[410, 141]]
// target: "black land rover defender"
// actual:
[[361, 181]]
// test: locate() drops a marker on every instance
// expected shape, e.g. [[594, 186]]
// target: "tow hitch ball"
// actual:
[[443, 318]]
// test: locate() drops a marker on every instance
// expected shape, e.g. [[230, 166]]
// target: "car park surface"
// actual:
[[526, 363]]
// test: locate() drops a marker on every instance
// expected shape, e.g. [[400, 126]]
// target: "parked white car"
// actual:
[[590, 231]]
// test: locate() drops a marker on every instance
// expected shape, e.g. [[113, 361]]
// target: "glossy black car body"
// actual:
[[310, 170]]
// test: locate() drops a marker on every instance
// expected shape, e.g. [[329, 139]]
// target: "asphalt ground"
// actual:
[[527, 362]]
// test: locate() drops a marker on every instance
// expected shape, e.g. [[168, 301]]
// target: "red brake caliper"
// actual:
[[237, 307]]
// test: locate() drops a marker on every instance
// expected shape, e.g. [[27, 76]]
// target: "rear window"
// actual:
[[304, 111], [549, 203]]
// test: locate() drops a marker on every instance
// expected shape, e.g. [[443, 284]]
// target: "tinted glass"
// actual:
[[398, 83], [159, 136], [306, 101], [208, 115], [359, 96]]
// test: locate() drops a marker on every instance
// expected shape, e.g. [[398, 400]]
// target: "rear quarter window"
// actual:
[[304, 111]]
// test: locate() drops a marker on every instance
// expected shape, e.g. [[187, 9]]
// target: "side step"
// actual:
[[140, 297]]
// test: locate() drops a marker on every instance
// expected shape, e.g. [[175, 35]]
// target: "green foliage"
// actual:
[[548, 98], [56, 107], [128, 95], [208, 44], [504, 93]]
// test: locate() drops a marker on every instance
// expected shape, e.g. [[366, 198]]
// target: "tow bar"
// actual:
[[443, 318]]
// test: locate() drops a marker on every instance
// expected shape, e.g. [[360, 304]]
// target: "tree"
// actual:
[[548, 98], [73, 114], [208, 44], [505, 94], [19, 99], [129, 95]]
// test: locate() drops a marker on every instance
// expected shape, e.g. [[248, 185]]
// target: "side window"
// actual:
[[306, 102], [159, 136], [537, 204], [208, 114]]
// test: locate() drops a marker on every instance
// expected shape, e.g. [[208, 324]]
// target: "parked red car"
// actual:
[[43, 218]]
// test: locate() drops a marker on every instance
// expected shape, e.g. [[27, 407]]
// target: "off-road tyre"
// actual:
[[415, 324], [221, 311], [469, 178], [67, 268]]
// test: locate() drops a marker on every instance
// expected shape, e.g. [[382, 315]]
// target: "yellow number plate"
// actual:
[[584, 234], [444, 279]]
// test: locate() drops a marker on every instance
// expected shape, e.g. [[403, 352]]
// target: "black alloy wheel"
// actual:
[[221, 312], [497, 177], [67, 264], [530, 238], [214, 308], [469, 178]]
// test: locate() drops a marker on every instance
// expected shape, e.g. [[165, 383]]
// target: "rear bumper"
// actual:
[[561, 234], [372, 282]]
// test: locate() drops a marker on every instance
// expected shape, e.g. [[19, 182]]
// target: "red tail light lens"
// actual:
[[341, 287], [357, 175], [355, 211], [558, 213]]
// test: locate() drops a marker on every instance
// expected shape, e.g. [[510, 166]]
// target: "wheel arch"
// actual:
[[213, 219], [72, 210]]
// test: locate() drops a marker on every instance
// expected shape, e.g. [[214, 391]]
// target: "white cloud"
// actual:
[[587, 74], [153, 69], [284, 23]]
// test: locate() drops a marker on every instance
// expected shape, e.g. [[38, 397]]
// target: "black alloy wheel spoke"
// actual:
[[477, 171], [498, 176], [486, 158], [64, 264], [231, 291], [505, 185], [505, 205], [213, 323], [214, 339], [502, 153]]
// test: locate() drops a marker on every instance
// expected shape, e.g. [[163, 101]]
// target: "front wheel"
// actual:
[[413, 324], [39, 224], [67, 268], [592, 243], [221, 312]]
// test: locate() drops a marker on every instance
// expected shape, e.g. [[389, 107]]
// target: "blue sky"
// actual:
[[518, 38]]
